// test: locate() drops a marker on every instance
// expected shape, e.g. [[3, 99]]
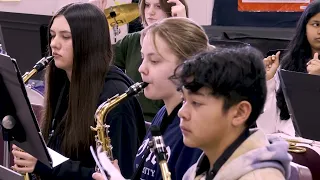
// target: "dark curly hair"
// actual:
[[234, 74]]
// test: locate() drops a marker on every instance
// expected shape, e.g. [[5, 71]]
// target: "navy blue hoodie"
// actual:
[[180, 156], [127, 130]]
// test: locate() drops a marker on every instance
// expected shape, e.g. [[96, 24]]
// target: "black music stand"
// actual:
[[6, 173], [3, 46], [302, 95], [18, 121]]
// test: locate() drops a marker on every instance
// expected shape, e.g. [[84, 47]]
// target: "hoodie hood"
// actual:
[[274, 154], [256, 152], [117, 74]]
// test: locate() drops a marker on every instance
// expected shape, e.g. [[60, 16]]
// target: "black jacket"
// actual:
[[127, 131]]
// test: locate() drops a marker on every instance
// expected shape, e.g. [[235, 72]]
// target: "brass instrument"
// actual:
[[295, 141], [159, 148], [102, 138], [122, 14], [166, 175], [40, 65], [293, 148], [296, 149]]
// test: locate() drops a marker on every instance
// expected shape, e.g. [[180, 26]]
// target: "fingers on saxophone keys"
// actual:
[[21, 170]]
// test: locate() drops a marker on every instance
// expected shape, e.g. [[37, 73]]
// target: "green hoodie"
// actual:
[[127, 56]]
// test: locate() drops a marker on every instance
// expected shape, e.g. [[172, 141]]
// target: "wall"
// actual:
[[23, 25], [38, 7], [200, 10]]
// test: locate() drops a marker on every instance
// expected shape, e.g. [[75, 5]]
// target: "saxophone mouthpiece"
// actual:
[[144, 84], [42, 63], [136, 88]]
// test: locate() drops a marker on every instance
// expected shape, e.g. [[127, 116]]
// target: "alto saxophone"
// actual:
[[102, 138]]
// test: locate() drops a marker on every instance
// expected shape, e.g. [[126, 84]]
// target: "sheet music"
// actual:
[[97, 162], [56, 157], [106, 164]]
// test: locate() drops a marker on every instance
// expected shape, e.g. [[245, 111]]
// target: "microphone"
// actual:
[[159, 148]]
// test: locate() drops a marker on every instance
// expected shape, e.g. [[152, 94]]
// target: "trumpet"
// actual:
[[40, 65], [102, 129]]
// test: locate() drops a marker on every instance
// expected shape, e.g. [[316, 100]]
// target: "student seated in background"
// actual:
[[301, 56]]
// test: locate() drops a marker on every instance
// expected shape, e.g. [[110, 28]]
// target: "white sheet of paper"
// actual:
[[108, 166], [98, 163], [56, 157]]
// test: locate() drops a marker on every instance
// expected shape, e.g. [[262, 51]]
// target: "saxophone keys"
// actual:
[[93, 129]]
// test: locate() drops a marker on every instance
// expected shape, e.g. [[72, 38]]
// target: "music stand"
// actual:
[[2, 41], [15, 104], [6, 173], [302, 95]]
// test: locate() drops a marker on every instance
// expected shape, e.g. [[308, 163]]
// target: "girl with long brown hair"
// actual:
[[78, 80]]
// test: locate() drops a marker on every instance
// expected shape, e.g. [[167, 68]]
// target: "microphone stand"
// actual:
[[115, 26]]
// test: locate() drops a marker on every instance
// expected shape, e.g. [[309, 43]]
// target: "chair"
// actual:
[[226, 43], [309, 159], [37, 110], [263, 39], [299, 172]]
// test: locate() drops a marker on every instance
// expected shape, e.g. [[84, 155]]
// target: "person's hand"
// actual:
[[97, 176], [116, 165], [271, 64], [101, 4], [178, 10], [313, 66], [23, 162]]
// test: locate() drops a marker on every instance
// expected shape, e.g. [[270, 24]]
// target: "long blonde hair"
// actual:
[[184, 37]]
